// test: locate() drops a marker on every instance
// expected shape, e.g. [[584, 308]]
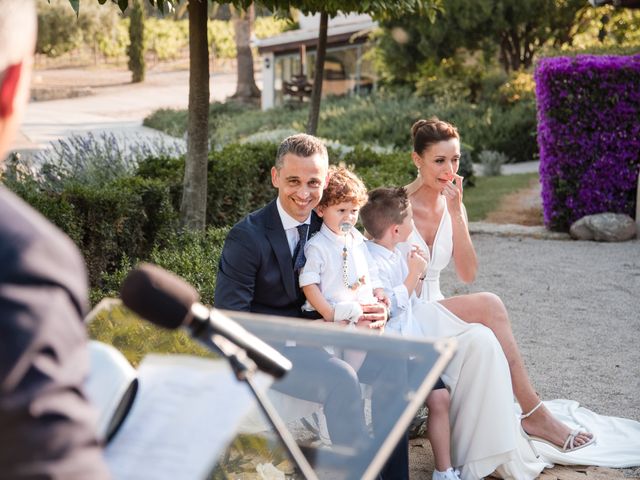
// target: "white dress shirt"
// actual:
[[393, 270], [324, 267], [290, 226]]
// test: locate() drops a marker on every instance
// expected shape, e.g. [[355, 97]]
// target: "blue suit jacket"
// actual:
[[255, 271]]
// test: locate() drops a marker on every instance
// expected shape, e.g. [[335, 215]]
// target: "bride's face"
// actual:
[[438, 163]]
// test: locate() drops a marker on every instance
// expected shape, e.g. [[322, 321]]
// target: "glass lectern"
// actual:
[[196, 412]]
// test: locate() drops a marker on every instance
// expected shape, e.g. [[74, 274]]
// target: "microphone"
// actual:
[[168, 301]]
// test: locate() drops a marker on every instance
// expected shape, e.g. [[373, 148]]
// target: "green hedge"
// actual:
[[192, 255], [127, 216], [136, 217], [239, 180]]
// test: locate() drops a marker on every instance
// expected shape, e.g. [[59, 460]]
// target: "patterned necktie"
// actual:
[[298, 253]]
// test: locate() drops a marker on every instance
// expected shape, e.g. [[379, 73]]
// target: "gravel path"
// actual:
[[575, 310]]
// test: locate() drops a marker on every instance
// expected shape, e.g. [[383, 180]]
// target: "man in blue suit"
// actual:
[[258, 273], [47, 428]]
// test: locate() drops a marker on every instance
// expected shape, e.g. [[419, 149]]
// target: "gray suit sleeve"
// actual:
[[47, 426]]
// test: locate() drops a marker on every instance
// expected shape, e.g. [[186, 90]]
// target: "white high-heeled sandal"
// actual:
[[568, 446]]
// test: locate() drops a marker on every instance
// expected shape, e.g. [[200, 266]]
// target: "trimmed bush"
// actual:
[[124, 217], [56, 208], [239, 176], [133, 218], [192, 255], [492, 162], [589, 136], [238, 180]]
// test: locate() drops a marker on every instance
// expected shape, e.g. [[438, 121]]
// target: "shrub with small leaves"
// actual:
[[589, 135], [492, 162], [96, 159], [192, 255]]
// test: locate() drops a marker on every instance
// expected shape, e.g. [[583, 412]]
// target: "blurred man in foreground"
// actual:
[[47, 426]]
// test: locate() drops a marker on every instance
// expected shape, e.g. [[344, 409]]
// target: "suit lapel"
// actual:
[[278, 240]]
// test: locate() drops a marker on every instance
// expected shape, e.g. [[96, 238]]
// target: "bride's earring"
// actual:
[[417, 168]]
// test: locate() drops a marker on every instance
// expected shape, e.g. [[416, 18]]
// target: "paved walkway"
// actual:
[[512, 168], [115, 107]]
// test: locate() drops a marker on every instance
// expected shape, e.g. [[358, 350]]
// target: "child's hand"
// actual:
[[416, 260], [379, 294]]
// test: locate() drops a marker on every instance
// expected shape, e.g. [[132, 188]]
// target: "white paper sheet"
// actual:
[[186, 411]]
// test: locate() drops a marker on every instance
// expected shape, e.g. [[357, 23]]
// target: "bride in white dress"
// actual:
[[488, 368]]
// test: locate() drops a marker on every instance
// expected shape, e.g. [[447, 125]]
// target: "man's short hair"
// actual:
[[386, 207], [301, 145], [343, 186], [18, 26]]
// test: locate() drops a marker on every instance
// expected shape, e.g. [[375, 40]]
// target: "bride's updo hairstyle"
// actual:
[[428, 132]]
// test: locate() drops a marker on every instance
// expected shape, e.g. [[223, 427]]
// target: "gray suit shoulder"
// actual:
[[32, 246]]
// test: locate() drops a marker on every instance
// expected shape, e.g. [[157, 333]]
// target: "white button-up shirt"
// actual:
[[324, 267], [393, 270], [290, 226]]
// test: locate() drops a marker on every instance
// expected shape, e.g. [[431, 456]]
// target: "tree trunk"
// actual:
[[510, 50], [504, 56], [193, 207], [246, 89], [318, 75]]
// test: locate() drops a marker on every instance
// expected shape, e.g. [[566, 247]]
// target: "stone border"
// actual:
[[513, 230]]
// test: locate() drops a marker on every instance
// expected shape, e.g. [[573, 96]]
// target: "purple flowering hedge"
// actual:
[[588, 136]]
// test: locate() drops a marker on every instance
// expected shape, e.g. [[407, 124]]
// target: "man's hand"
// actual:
[[374, 315]]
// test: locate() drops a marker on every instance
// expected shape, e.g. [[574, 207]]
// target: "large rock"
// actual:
[[604, 227]]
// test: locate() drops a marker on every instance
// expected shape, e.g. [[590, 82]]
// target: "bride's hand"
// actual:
[[453, 194]]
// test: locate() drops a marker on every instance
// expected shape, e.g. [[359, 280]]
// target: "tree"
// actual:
[[523, 27], [193, 204], [246, 88], [193, 207], [515, 29], [318, 75], [136, 42]]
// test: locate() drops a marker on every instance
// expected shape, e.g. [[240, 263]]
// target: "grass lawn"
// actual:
[[135, 338], [489, 192]]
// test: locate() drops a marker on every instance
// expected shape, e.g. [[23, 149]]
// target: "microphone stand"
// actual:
[[244, 369]]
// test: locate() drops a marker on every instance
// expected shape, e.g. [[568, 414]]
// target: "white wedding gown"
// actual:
[[485, 431]]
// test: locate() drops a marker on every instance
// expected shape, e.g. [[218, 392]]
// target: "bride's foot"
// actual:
[[539, 424]]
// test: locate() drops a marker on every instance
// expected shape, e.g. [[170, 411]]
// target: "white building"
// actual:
[[288, 59]]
